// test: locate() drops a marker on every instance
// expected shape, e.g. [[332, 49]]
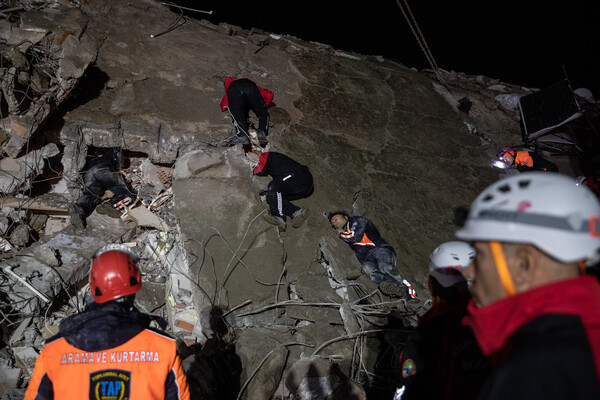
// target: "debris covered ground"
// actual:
[[284, 312]]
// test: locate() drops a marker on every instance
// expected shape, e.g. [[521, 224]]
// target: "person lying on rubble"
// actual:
[[109, 351], [103, 174], [535, 313], [241, 96], [441, 358], [525, 160], [291, 181], [376, 256]]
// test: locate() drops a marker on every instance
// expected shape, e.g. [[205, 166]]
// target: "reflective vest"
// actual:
[[145, 367]]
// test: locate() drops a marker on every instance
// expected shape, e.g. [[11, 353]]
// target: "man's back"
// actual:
[[106, 351]]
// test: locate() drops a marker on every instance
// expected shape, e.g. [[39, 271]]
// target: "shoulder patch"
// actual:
[[408, 368], [110, 384]]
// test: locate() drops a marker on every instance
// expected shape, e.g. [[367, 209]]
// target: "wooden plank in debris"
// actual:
[[47, 204]]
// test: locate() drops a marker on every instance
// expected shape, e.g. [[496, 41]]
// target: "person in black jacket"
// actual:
[[291, 181], [376, 256], [441, 358], [103, 173]]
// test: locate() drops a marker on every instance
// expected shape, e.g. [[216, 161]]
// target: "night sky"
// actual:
[[520, 42]]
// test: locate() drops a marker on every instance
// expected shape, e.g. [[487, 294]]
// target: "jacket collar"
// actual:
[[495, 323]]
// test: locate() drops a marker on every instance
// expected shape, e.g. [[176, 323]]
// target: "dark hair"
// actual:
[[457, 293], [338, 212]]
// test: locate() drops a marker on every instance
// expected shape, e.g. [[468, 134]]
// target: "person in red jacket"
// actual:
[[241, 96], [291, 181], [109, 351], [535, 314], [441, 358]]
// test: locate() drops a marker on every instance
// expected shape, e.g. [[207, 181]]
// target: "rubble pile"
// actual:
[[287, 314]]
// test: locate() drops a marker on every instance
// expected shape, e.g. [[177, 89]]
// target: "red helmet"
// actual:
[[114, 274]]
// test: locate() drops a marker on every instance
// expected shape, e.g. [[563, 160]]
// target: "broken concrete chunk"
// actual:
[[9, 377], [144, 217], [20, 236], [25, 357], [195, 162], [16, 174], [18, 333], [38, 221]]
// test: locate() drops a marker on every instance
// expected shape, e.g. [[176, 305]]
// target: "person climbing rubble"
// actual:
[[241, 96], [109, 350], [441, 358], [535, 314], [525, 160], [291, 181], [102, 175], [376, 256]]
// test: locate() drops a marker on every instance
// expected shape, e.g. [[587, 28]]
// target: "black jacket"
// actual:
[[362, 237]]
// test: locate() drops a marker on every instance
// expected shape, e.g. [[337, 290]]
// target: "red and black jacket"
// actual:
[[543, 343], [266, 94]]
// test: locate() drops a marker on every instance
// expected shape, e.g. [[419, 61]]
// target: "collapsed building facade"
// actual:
[[283, 312]]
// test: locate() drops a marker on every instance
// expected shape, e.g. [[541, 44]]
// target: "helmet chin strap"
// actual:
[[502, 268]]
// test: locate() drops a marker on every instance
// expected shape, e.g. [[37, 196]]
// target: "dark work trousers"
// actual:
[[281, 192], [99, 179], [243, 95]]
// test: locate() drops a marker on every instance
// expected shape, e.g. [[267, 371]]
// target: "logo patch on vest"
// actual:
[[110, 384], [408, 368]]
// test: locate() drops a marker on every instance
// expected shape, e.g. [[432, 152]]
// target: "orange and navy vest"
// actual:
[[145, 367]]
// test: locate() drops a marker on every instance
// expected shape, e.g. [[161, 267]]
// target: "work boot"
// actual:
[[394, 289], [275, 220], [239, 140], [262, 138], [77, 217], [299, 217]]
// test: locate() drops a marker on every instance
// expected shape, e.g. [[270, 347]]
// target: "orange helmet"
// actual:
[[114, 273], [506, 151]]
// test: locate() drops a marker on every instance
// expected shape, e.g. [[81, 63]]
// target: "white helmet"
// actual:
[[580, 180], [540, 208], [446, 261]]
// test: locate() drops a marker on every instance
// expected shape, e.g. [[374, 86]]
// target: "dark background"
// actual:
[[523, 42]]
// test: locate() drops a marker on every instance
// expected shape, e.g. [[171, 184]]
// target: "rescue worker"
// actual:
[[535, 316], [241, 96], [109, 351], [441, 358], [376, 256], [525, 160], [591, 182], [291, 181], [103, 174]]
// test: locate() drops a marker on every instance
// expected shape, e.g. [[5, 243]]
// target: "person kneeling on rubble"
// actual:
[[103, 174], [291, 181], [376, 256], [109, 350], [525, 161], [441, 358], [241, 96]]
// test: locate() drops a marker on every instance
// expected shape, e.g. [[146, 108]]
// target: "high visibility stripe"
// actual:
[[502, 268], [279, 204], [365, 241], [412, 292]]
